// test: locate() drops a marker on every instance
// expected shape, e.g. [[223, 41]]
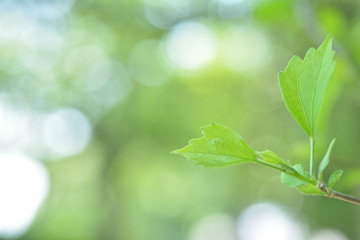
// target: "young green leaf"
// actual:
[[325, 160], [290, 181], [219, 147], [305, 175], [300, 169], [335, 177], [302, 180], [270, 157], [297, 176], [304, 82], [310, 189]]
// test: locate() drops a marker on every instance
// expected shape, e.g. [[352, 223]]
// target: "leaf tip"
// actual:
[[175, 151], [296, 58], [335, 177], [328, 41], [329, 36]]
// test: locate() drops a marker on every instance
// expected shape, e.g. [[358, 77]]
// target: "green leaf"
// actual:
[[304, 82], [307, 184], [310, 189], [325, 160], [335, 177], [270, 157], [300, 169], [297, 176], [219, 147], [290, 181], [306, 175]]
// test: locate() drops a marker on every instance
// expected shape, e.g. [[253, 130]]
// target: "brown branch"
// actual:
[[344, 197]]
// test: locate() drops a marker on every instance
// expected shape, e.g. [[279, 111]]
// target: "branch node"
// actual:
[[322, 186]]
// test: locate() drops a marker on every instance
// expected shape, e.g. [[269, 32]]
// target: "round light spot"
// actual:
[[89, 66], [328, 234], [164, 13], [214, 227], [267, 221], [19, 127], [244, 50], [190, 45], [24, 185], [234, 8], [116, 89], [66, 132]]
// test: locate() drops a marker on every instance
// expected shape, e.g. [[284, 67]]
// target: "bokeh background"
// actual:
[[94, 94]]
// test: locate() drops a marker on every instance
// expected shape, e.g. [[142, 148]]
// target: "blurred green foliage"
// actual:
[[115, 62]]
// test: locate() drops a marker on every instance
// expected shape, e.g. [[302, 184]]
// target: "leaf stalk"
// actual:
[[312, 154], [259, 161]]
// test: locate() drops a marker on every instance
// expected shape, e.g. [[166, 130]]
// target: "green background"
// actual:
[[125, 184]]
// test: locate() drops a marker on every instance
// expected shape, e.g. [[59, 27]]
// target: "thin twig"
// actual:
[[344, 197], [322, 186]]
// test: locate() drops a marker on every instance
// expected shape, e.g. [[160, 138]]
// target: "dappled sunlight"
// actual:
[[115, 90], [190, 45], [94, 95], [214, 227], [36, 30], [66, 132], [229, 9], [89, 66], [16, 128], [24, 185], [245, 49], [268, 221], [164, 13], [328, 234]]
